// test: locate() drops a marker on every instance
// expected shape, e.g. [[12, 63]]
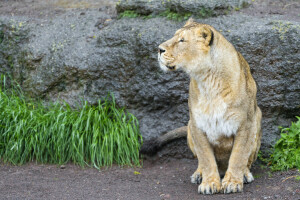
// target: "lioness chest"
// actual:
[[213, 116], [215, 120]]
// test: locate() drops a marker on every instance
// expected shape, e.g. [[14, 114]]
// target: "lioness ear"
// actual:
[[207, 34], [189, 22]]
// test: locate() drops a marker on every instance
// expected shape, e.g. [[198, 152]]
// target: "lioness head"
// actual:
[[190, 45]]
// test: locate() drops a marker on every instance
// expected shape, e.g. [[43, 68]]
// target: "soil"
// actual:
[[168, 179], [281, 9], [155, 180]]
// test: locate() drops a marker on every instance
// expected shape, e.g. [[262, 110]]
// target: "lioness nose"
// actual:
[[160, 50]]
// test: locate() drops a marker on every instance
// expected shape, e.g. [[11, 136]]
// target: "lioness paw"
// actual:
[[209, 187], [231, 187], [231, 184], [248, 178], [196, 178]]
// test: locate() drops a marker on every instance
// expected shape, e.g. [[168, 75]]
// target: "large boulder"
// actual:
[[74, 57], [203, 8]]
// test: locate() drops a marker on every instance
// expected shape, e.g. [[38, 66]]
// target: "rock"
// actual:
[[204, 8], [70, 58], [13, 35]]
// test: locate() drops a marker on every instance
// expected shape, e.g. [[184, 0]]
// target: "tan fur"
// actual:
[[224, 129]]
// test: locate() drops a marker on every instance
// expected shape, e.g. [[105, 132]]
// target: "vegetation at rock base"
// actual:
[[129, 14], [286, 152], [169, 14], [205, 13], [175, 16], [96, 136]]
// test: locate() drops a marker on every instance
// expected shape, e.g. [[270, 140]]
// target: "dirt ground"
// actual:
[[282, 9], [156, 179]]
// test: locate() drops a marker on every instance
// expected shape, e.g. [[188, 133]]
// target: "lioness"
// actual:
[[224, 129]]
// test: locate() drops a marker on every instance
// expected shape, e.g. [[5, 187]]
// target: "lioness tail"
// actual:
[[150, 147]]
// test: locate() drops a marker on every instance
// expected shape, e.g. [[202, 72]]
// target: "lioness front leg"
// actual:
[[237, 167], [196, 178], [206, 162]]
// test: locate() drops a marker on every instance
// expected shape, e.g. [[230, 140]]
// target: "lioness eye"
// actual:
[[181, 40]]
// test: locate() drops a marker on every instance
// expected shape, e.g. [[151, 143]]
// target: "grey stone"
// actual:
[[195, 7], [71, 58]]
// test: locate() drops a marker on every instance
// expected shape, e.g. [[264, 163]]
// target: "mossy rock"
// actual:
[[204, 8]]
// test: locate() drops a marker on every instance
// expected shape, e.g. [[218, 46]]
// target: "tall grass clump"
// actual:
[[97, 136]]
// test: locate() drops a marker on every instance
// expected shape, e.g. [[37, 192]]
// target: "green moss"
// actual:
[[11, 34], [283, 27]]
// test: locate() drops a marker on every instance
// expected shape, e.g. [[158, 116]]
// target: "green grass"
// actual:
[[129, 14], [88, 135], [286, 152]]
